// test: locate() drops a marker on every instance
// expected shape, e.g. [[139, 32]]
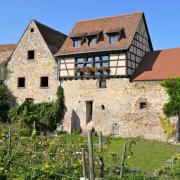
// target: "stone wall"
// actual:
[[42, 65], [118, 105]]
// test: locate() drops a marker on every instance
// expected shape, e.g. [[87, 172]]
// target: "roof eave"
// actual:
[[87, 52]]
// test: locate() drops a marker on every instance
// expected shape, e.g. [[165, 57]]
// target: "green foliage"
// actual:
[[7, 101], [59, 157], [171, 171], [60, 104], [168, 127], [5, 71], [46, 115], [172, 87]]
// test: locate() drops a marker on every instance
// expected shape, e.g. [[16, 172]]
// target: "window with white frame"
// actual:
[[77, 43], [92, 41], [98, 65]]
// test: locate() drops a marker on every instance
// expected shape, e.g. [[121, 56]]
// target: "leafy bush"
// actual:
[[171, 171], [5, 71], [45, 115], [7, 101], [168, 127], [172, 87]]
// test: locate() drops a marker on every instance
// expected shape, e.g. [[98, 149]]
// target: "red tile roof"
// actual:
[[128, 22], [159, 65], [7, 47]]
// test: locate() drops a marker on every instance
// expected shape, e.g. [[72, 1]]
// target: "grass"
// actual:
[[147, 155]]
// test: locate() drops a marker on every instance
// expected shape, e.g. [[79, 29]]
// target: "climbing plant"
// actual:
[[5, 71], [172, 108]]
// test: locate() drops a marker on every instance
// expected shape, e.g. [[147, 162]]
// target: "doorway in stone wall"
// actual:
[[89, 111]]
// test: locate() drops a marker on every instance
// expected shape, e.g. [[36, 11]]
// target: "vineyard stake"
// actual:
[[101, 162], [9, 142], [34, 125], [84, 163], [91, 156], [122, 161], [100, 139]]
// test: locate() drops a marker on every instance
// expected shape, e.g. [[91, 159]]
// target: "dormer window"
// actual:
[[92, 41], [113, 38], [76, 43], [115, 35]]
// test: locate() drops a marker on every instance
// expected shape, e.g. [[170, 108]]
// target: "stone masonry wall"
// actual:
[[43, 65], [121, 101]]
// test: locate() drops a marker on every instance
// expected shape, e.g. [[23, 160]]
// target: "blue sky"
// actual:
[[163, 16]]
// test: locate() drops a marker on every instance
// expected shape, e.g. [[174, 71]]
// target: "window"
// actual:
[[89, 111], [102, 83], [32, 29], [29, 99], [92, 41], [113, 38], [44, 82], [98, 65], [76, 43], [31, 54], [21, 82], [143, 105], [115, 129]]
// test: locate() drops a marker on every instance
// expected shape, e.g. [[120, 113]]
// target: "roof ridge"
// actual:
[[106, 17], [13, 44], [168, 49], [50, 28]]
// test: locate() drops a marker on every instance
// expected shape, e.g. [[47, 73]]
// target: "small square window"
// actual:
[[44, 82], [21, 82], [143, 105], [31, 54], [102, 83], [76, 43], [32, 29], [29, 100]]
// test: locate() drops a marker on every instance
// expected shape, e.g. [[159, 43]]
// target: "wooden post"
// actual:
[[100, 139], [84, 163], [9, 142], [34, 125], [101, 162], [122, 161], [91, 156], [178, 129]]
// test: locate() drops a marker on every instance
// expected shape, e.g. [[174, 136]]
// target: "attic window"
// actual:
[[32, 29], [113, 38], [77, 43], [115, 35], [92, 41], [31, 54]]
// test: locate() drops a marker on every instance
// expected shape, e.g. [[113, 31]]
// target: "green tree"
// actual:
[[172, 108], [7, 101]]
